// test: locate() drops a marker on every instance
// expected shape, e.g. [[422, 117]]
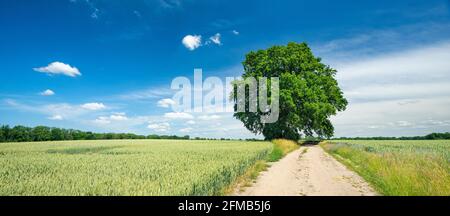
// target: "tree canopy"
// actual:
[[309, 93]]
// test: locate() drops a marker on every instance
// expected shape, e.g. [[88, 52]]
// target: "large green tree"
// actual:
[[309, 93]]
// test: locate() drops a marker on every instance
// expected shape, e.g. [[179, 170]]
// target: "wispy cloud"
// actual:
[[167, 102], [380, 41], [394, 93], [216, 39], [57, 111], [47, 92], [170, 4], [116, 117], [159, 127], [209, 117], [137, 13], [406, 74], [95, 11], [186, 130], [144, 94], [191, 122], [56, 117], [178, 115], [432, 10], [93, 106]]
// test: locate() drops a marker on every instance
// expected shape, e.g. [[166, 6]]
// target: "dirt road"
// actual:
[[308, 171]]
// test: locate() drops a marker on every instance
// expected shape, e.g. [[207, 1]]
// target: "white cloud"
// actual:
[[408, 93], [186, 130], [429, 62], [192, 42], [112, 118], [56, 117], [227, 126], [102, 120], [93, 106], [403, 123], [409, 74], [59, 68], [47, 92], [393, 118], [118, 117], [144, 94], [394, 90], [191, 122], [119, 113], [65, 110], [209, 117], [166, 102], [170, 4], [178, 115], [159, 127], [235, 32], [73, 113], [374, 126], [216, 39]]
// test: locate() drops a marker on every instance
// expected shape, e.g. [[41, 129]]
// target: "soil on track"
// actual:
[[308, 171]]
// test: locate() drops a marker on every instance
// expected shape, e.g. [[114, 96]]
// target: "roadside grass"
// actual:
[[246, 179], [397, 169], [281, 147]]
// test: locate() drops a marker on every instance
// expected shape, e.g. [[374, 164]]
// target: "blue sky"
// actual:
[[119, 58]]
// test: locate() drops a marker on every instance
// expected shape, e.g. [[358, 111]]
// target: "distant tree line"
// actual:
[[432, 136], [43, 133]]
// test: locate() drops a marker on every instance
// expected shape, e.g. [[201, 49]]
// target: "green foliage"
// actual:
[[309, 93], [42, 133], [2, 134], [125, 167], [57, 134], [5, 133], [20, 133], [398, 168], [432, 136], [275, 155], [281, 147]]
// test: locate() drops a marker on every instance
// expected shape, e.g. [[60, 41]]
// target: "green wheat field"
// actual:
[[394, 167], [125, 167]]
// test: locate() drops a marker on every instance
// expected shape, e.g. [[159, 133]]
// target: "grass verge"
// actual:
[[246, 179], [395, 173], [281, 148]]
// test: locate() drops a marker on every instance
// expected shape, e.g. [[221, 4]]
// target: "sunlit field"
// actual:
[[419, 167], [125, 167]]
